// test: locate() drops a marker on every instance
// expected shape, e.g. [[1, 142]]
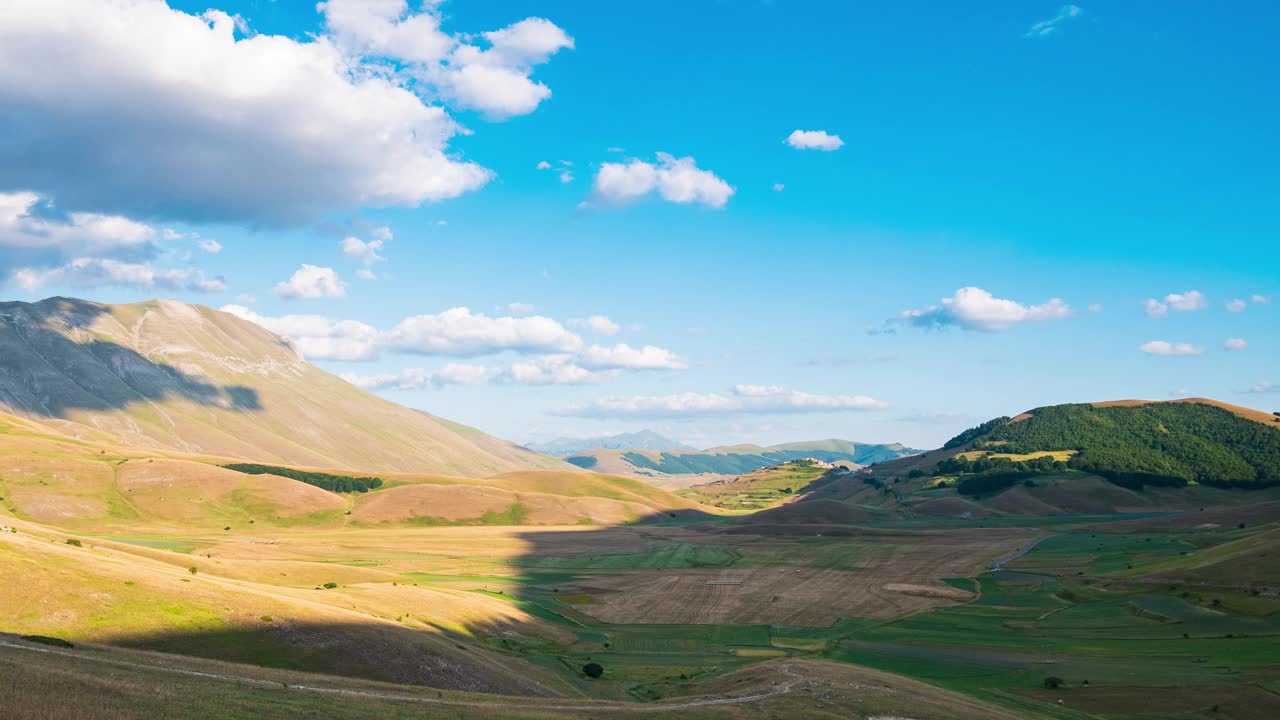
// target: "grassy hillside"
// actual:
[[166, 375], [761, 488]]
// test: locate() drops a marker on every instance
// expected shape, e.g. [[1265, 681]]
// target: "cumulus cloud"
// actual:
[[365, 252], [99, 272], [1162, 347], [213, 247], [1237, 305], [544, 165], [1188, 301], [551, 370], [420, 379], [318, 337], [1236, 344], [814, 140], [597, 324], [744, 399], [677, 180], [458, 331], [32, 236], [1262, 299], [519, 308], [973, 308], [1051, 25], [311, 282], [198, 118], [623, 356]]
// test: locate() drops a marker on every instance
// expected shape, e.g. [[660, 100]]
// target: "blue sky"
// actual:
[[1069, 163]]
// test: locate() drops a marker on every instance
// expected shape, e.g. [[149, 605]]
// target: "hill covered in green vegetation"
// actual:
[[1133, 445]]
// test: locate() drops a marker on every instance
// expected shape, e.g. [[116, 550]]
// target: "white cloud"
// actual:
[[1188, 301], [420, 379], [31, 239], [597, 324], [745, 399], [311, 282], [1048, 27], [778, 187], [1266, 386], [1154, 308], [497, 81], [814, 140], [973, 308], [677, 180], [365, 252], [519, 308], [318, 337], [212, 247], [1162, 347], [366, 274], [195, 117], [1096, 308], [458, 331], [98, 272], [1236, 344], [624, 356], [1262, 299], [551, 370], [566, 177], [1237, 305], [544, 165]]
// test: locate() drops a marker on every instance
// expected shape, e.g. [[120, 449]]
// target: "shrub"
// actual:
[[592, 670], [74, 542], [1053, 682], [193, 569], [265, 618], [45, 640], [330, 585]]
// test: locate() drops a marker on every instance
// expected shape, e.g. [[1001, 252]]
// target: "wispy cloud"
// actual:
[[1047, 27], [1164, 347], [742, 400]]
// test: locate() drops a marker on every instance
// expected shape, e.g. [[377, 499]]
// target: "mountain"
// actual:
[[1090, 458], [167, 375], [643, 440], [733, 460]]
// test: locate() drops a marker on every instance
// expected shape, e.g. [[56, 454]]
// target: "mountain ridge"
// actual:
[[163, 374]]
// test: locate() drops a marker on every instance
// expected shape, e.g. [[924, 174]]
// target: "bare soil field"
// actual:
[[787, 589]]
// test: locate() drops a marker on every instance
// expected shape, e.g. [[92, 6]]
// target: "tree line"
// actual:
[[322, 480]]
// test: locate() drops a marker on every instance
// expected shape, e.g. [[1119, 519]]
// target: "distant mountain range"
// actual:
[[643, 440], [166, 375], [732, 460]]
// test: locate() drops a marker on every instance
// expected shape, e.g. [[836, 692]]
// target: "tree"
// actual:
[[1053, 682], [592, 670]]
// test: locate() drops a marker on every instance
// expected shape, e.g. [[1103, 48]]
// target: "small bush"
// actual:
[[265, 618], [1053, 682], [193, 569], [592, 670], [74, 542], [45, 640], [330, 585]]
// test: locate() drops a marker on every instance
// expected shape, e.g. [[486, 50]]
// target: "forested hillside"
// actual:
[[1132, 445]]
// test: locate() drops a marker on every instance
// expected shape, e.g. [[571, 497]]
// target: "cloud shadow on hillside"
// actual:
[[43, 372]]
